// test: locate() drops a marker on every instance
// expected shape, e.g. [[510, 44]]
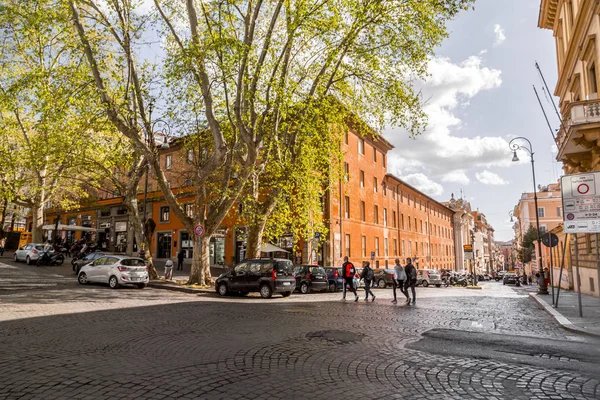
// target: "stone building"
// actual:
[[464, 232]]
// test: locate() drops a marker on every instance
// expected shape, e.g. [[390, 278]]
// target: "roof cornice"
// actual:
[[547, 16]]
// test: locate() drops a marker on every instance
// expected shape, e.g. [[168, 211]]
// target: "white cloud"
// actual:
[[554, 149], [424, 184], [500, 36], [489, 178], [442, 153], [458, 176], [482, 52]]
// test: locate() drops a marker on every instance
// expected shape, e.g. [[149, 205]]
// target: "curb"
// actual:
[[177, 288], [561, 319], [473, 287]]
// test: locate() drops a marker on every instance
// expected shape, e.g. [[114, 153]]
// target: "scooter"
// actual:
[[47, 258]]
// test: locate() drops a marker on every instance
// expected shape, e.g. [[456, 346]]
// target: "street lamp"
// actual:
[[542, 289]]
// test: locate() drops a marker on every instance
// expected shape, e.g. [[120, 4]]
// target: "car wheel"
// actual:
[[113, 282], [16, 258], [60, 260], [82, 278], [304, 288], [286, 294], [27, 260], [266, 292], [332, 287], [438, 285], [222, 289], [381, 284], [141, 285], [425, 283]]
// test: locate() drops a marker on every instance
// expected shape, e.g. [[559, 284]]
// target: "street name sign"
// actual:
[[581, 202]]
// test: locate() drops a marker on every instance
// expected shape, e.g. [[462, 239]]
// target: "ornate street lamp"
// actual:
[[542, 289]]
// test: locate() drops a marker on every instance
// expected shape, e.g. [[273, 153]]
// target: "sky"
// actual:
[[479, 95]]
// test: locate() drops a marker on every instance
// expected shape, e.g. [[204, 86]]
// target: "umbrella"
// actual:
[[269, 248]]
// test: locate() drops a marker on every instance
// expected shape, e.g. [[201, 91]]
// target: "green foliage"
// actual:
[[527, 247]]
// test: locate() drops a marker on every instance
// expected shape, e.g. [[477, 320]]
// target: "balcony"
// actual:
[[580, 135]]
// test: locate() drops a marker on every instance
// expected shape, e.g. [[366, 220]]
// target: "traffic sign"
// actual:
[[550, 239], [468, 247], [581, 202], [372, 255], [199, 230]]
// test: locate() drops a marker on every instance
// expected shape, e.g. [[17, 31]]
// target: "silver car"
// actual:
[[426, 277], [115, 270], [31, 252]]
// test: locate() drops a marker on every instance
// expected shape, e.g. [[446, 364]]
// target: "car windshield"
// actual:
[[284, 267], [133, 262], [317, 270]]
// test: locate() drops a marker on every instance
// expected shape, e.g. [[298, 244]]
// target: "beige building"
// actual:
[[575, 25]]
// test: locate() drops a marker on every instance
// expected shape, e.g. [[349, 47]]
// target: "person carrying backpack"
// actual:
[[367, 275], [411, 280], [349, 271], [399, 279]]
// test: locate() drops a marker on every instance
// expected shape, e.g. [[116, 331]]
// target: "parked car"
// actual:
[[335, 278], [426, 277], [30, 253], [510, 278], [358, 281], [383, 278], [77, 264], [266, 276], [500, 275], [311, 277], [116, 270]]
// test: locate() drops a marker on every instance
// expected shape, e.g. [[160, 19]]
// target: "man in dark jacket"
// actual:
[[411, 280], [349, 271], [180, 257]]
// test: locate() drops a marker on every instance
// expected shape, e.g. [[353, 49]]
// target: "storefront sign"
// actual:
[[581, 202], [120, 226], [104, 225]]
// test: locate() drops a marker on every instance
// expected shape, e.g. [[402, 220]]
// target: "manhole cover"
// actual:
[[336, 336]]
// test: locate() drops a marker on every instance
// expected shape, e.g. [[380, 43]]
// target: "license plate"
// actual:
[[319, 276], [286, 283]]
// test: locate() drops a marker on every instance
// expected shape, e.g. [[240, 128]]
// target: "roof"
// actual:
[[417, 190], [548, 11]]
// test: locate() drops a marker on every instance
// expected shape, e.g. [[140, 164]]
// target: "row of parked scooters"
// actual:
[[455, 279], [55, 254]]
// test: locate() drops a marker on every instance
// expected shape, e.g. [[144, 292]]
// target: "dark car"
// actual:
[[510, 279], [335, 278], [311, 277], [383, 278], [266, 276], [77, 264]]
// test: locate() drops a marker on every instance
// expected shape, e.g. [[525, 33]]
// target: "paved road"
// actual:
[[63, 340]]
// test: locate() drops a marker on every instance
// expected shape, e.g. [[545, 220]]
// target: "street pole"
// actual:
[[542, 288], [577, 273]]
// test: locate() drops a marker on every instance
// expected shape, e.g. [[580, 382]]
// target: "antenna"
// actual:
[[544, 111], [549, 92]]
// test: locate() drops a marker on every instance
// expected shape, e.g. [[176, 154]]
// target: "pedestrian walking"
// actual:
[[180, 257], [411, 281], [367, 275], [399, 280], [2, 244], [349, 271], [169, 270], [525, 281]]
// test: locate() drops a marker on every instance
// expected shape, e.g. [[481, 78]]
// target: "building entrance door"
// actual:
[[164, 244]]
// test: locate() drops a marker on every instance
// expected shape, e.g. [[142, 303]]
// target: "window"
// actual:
[[410, 248], [188, 209], [558, 211], [384, 189], [362, 211], [542, 229], [421, 221], [385, 217], [409, 224], [377, 246], [346, 138], [402, 221], [364, 245], [168, 161], [376, 214], [592, 78], [385, 247], [393, 192], [165, 214], [395, 247], [347, 245], [346, 172], [401, 196], [362, 179], [383, 157], [375, 185], [541, 212], [403, 248], [394, 219], [347, 207], [374, 154], [415, 224], [361, 146], [190, 156]]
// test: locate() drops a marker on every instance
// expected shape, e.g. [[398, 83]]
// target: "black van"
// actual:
[[264, 275]]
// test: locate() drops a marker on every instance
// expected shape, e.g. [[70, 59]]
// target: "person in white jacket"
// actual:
[[399, 279]]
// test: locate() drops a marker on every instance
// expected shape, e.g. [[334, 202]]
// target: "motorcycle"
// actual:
[[47, 258]]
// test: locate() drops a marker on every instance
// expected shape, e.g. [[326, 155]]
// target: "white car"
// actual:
[[30, 252], [115, 270], [426, 277]]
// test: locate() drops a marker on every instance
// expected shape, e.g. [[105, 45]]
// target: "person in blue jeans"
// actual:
[[367, 276], [411, 280]]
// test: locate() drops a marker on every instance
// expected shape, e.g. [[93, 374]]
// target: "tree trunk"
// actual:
[[255, 234], [38, 222], [138, 230], [200, 272]]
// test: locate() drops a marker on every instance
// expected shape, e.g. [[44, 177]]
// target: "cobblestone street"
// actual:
[[63, 340]]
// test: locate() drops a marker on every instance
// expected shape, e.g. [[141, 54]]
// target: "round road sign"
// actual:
[[583, 188], [570, 216], [550, 239], [199, 230]]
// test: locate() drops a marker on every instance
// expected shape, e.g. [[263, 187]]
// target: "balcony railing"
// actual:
[[578, 113]]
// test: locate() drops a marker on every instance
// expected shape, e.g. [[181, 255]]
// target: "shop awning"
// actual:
[[269, 248], [62, 227]]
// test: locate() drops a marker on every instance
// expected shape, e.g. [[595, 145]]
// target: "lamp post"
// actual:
[[542, 289]]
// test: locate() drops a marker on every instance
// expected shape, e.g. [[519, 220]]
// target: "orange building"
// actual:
[[377, 217]]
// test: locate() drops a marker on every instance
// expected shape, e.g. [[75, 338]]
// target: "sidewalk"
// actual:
[[567, 313]]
